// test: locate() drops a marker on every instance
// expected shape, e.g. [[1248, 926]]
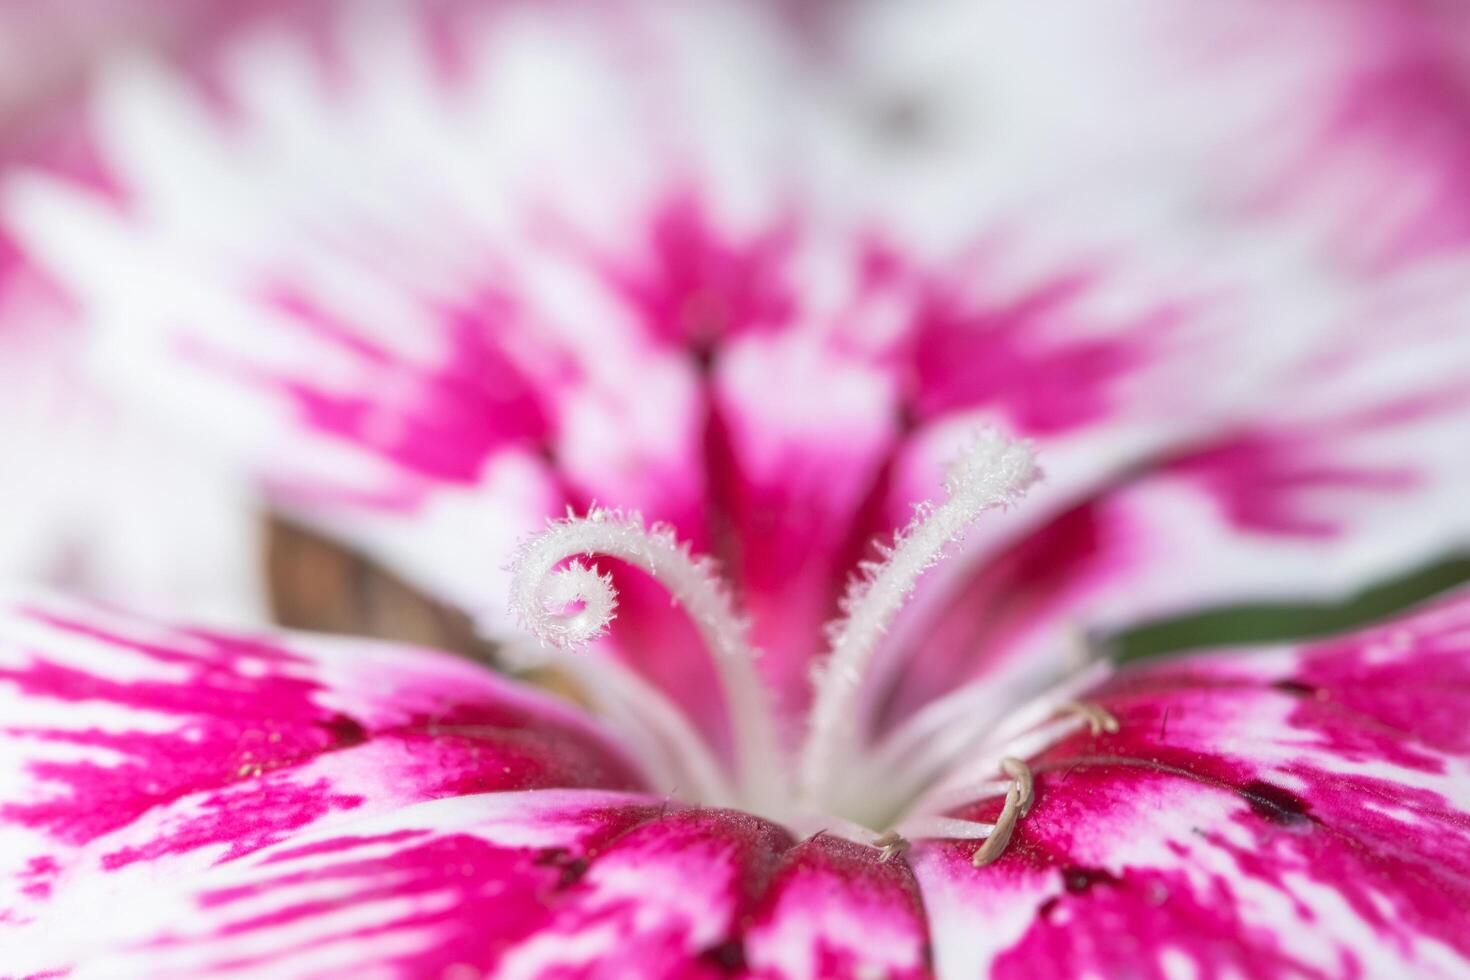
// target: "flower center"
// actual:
[[569, 604]]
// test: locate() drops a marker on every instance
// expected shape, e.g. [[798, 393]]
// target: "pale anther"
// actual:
[[1018, 803], [1021, 773], [891, 844], [1099, 719]]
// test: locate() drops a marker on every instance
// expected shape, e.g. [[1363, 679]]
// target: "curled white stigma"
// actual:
[[572, 605]]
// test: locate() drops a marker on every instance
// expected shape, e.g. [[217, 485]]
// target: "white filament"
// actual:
[[680, 762], [975, 782], [993, 472], [572, 605], [958, 726]]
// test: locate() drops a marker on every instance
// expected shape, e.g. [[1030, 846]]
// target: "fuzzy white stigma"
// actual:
[[992, 472], [570, 606]]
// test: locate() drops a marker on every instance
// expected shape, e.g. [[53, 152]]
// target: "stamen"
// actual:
[[678, 761], [1017, 805], [1021, 773], [1099, 719], [1060, 721], [892, 844], [570, 606], [967, 724], [994, 472]]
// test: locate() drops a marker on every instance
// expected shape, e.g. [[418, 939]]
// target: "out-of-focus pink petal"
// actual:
[[1357, 476], [431, 361], [1373, 159], [727, 330], [1288, 813], [1344, 125], [133, 751], [95, 499]]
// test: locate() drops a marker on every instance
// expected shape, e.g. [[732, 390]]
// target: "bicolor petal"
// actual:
[[741, 341], [1293, 812], [1356, 477], [134, 750], [526, 885], [1343, 125], [1301, 812]]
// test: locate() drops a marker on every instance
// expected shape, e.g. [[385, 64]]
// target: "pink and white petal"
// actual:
[[355, 323], [430, 366], [519, 885], [1298, 812], [667, 898], [798, 445], [95, 499], [441, 888], [1357, 477], [516, 884], [1100, 349], [834, 908], [1096, 341], [1371, 161], [133, 750], [1344, 123]]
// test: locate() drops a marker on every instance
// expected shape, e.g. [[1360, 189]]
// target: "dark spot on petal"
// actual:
[[1277, 805], [1295, 688], [1046, 908], [571, 867], [728, 955], [703, 350], [1079, 880], [926, 955], [345, 731], [572, 871]]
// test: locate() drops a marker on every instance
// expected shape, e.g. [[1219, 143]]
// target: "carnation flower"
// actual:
[[822, 478]]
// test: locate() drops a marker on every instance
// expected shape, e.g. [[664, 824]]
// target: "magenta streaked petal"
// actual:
[[415, 892], [1297, 812], [798, 447], [131, 745], [1375, 158], [1343, 125], [698, 281], [1357, 477], [834, 909], [668, 896], [519, 885], [428, 368], [1292, 812]]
